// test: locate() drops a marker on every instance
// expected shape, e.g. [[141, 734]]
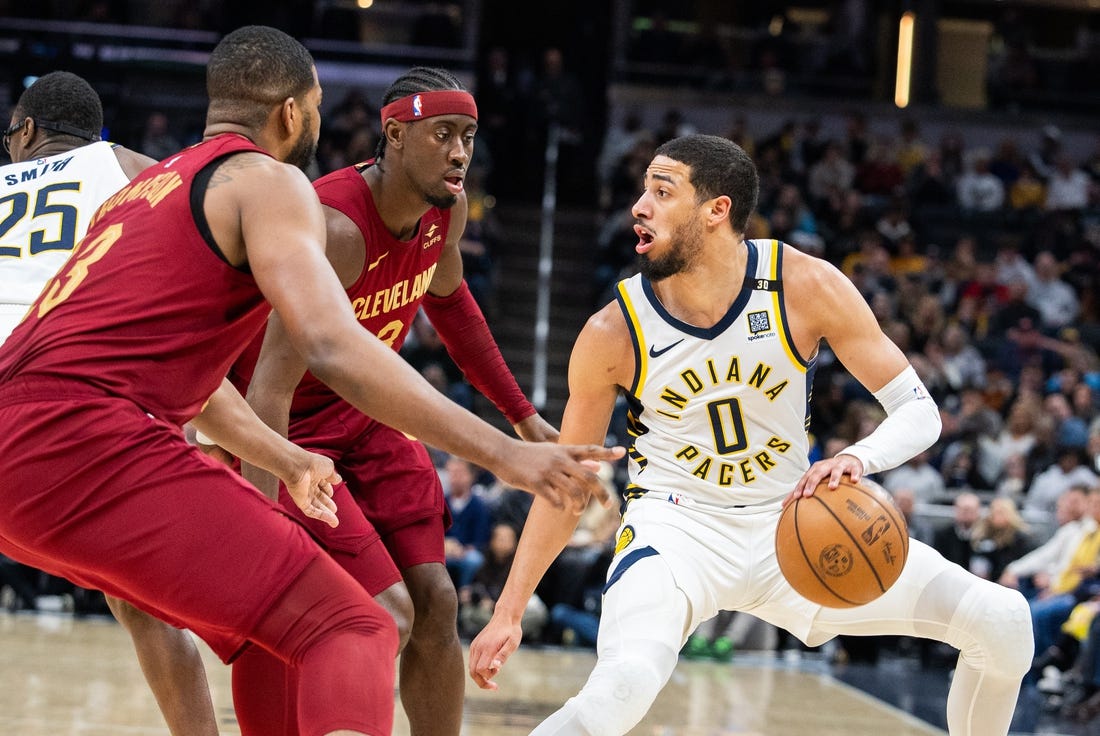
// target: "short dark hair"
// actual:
[[253, 69], [417, 79], [718, 166], [62, 97]]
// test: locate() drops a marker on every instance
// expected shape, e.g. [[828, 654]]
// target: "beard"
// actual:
[[688, 244], [305, 148], [442, 201]]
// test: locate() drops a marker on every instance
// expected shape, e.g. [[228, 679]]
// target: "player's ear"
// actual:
[[394, 131], [718, 208], [290, 116]]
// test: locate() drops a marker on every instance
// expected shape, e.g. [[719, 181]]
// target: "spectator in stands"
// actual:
[[999, 537], [894, 226], [1043, 158], [831, 177], [919, 477], [1033, 573], [1010, 265], [1069, 469], [1067, 186], [157, 140], [1055, 299], [1014, 478], [952, 149], [879, 176], [953, 541], [919, 528], [1027, 194], [1017, 437], [928, 185], [1050, 608], [954, 354], [471, 522], [499, 107], [978, 190], [912, 150], [1007, 163]]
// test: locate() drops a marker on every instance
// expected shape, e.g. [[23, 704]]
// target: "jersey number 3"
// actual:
[[76, 270]]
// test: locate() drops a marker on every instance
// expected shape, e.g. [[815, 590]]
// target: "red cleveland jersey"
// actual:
[[145, 308], [395, 278]]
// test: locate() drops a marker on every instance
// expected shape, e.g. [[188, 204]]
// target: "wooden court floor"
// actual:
[[66, 676]]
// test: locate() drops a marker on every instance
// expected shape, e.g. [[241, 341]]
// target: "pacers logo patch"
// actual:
[[626, 536]]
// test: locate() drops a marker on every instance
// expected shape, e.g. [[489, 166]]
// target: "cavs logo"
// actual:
[[431, 235], [626, 536], [836, 560]]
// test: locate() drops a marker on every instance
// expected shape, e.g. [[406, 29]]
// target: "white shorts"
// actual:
[[724, 559]]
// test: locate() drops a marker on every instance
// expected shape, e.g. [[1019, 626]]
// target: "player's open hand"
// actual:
[[490, 650], [565, 475], [312, 489]]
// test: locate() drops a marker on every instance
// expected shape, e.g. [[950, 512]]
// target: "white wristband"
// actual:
[[201, 439]]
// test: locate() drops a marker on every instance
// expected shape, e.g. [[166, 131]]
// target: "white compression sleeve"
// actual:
[[911, 425]]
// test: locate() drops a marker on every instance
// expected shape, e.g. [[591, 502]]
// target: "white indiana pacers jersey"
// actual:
[[46, 205], [717, 415]]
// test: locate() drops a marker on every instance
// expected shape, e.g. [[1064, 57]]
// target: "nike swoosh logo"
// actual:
[[655, 353], [372, 266]]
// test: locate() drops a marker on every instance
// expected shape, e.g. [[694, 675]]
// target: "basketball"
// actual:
[[842, 548]]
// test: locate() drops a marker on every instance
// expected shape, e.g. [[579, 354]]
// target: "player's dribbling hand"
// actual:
[[833, 469], [565, 475], [312, 490], [490, 650]]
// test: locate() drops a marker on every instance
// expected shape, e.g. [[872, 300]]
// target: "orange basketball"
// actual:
[[842, 548]]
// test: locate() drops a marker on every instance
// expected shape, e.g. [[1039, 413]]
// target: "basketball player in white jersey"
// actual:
[[60, 173], [714, 346]]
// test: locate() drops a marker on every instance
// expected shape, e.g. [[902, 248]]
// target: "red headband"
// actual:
[[429, 104]]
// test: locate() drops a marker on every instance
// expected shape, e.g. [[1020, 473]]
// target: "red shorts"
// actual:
[[390, 481], [95, 490]]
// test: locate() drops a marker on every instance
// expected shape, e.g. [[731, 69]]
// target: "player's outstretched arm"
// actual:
[[602, 358]]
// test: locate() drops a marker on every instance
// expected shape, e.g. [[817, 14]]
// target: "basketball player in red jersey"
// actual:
[[60, 164], [129, 341], [393, 228]]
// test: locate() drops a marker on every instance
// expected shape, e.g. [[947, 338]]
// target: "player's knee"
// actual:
[[436, 605], [398, 603], [999, 620], [621, 691]]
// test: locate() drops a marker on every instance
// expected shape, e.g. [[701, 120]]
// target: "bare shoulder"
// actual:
[[604, 346], [811, 284], [607, 324], [345, 246]]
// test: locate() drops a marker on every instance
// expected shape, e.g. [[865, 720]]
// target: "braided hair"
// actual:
[[417, 79]]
